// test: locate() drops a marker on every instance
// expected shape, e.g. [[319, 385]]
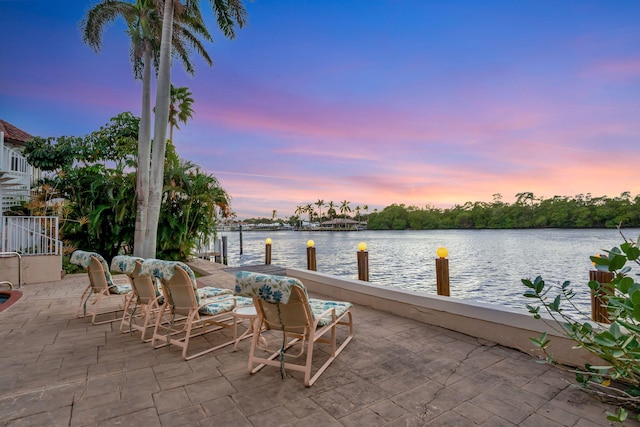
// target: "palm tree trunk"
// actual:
[[160, 131], [144, 158]]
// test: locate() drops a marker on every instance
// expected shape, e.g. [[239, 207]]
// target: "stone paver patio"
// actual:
[[61, 371]]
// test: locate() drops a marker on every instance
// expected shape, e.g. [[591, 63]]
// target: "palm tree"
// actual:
[[180, 107], [309, 208], [274, 215], [144, 26], [331, 211], [229, 13], [344, 208], [299, 211], [320, 204], [357, 209]]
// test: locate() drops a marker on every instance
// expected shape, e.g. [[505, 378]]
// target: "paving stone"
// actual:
[[145, 417], [60, 417], [274, 417], [450, 419], [171, 400], [472, 412], [209, 390], [335, 404], [363, 417], [496, 421], [537, 420], [183, 417], [388, 410]]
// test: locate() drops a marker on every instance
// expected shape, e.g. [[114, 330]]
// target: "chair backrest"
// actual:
[[282, 302], [96, 266], [97, 276], [144, 287], [178, 282]]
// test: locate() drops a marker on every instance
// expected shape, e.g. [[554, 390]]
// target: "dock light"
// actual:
[[267, 251], [362, 246], [442, 252], [310, 243]]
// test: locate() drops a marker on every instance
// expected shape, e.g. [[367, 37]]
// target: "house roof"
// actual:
[[13, 134]]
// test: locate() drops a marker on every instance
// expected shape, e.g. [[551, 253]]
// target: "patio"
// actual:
[[59, 370]]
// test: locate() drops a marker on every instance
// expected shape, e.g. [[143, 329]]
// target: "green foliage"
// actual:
[[98, 185], [617, 379], [527, 212]]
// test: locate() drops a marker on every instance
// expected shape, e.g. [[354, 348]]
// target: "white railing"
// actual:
[[31, 235], [15, 178]]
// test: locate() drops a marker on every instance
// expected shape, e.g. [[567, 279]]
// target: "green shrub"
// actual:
[[617, 379]]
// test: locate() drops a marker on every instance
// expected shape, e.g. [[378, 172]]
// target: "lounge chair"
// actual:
[[185, 315], [102, 289], [282, 304], [142, 307]]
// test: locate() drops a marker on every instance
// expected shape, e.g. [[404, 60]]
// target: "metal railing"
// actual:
[[10, 254], [31, 235]]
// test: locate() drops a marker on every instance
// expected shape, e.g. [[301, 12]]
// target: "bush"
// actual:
[[617, 379]]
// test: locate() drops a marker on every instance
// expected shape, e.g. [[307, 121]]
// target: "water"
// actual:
[[484, 265]]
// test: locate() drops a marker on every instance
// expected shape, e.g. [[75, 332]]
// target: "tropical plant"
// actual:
[[332, 209], [98, 210], [345, 208], [144, 26], [308, 208], [229, 13], [179, 108], [320, 204], [617, 379]]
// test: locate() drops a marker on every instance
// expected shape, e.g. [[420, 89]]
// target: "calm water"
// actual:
[[484, 265]]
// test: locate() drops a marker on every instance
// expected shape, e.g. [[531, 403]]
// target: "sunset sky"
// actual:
[[374, 102]]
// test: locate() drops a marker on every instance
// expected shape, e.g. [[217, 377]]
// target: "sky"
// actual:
[[415, 102]]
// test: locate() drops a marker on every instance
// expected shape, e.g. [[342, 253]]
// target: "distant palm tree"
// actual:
[[320, 204], [357, 209], [274, 215], [344, 207], [299, 211], [309, 208], [179, 108], [332, 209]]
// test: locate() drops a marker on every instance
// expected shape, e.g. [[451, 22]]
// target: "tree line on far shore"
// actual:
[[528, 211]]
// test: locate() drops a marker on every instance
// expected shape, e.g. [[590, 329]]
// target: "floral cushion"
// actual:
[[271, 288], [164, 270], [319, 306], [124, 264], [83, 259], [224, 305], [277, 289], [212, 292]]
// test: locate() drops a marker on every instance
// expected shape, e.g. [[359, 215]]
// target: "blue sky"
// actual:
[[375, 102]]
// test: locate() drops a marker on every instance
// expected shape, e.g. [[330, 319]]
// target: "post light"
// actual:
[[363, 262], [442, 271], [442, 252], [267, 251], [311, 255]]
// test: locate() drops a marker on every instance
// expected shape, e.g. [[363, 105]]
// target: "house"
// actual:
[[30, 249], [15, 173]]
